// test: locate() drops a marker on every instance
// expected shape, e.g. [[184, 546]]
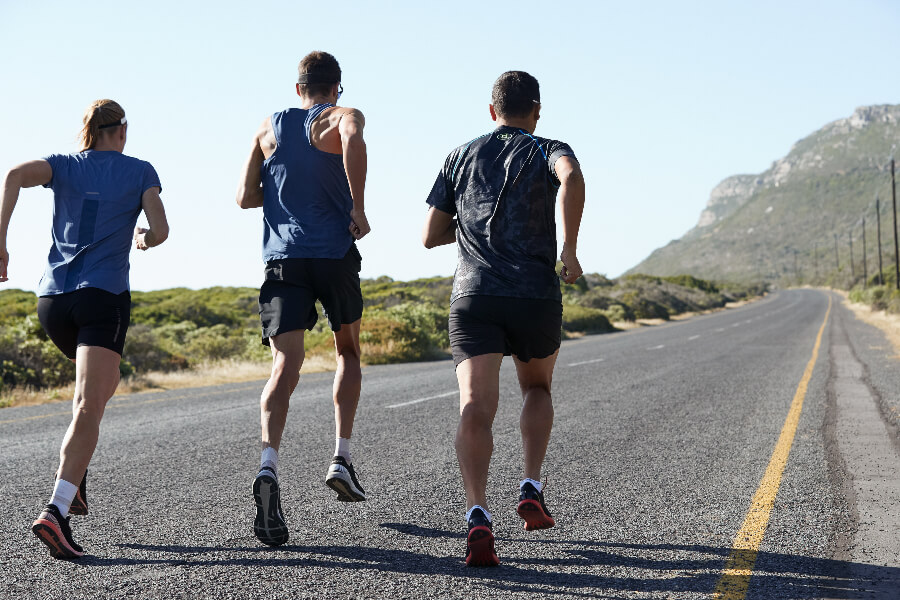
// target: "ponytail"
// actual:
[[99, 113]]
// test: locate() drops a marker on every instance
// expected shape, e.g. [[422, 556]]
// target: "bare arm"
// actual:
[[353, 148], [571, 206], [29, 174], [439, 229], [250, 192], [153, 208]]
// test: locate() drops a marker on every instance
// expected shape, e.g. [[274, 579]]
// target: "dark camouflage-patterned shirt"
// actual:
[[502, 189]]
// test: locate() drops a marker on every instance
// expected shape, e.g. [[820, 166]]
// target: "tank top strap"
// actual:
[[311, 115]]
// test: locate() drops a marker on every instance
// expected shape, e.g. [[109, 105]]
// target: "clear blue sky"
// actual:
[[660, 101]]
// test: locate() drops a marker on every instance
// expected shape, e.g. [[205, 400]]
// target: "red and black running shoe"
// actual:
[[269, 526], [79, 503], [51, 528], [533, 510], [480, 542]]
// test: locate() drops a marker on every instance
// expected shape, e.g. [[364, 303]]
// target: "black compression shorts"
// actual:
[[287, 298], [86, 317], [523, 327]]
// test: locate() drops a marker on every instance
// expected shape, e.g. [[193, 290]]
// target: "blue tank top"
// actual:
[[96, 203], [306, 195]]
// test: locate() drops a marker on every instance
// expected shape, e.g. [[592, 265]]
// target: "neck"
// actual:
[[106, 146], [520, 123], [307, 103]]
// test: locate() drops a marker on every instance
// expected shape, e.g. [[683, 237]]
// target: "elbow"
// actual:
[[428, 240], [161, 235]]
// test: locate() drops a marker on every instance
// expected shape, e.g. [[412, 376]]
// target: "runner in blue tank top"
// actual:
[[307, 170], [502, 189], [85, 303]]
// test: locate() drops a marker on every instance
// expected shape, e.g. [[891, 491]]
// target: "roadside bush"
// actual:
[[404, 333], [586, 320]]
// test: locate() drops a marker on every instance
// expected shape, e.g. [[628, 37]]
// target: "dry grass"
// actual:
[[226, 371], [889, 323]]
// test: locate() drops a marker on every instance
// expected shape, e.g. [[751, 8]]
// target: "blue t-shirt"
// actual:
[[306, 195], [502, 189], [96, 203]]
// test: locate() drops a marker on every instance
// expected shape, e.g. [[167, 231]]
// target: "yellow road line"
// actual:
[[739, 566]]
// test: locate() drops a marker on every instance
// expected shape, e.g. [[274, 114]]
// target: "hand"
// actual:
[[359, 224], [4, 261], [140, 235], [571, 269]]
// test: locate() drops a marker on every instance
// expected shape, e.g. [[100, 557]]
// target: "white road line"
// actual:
[[585, 362], [657, 347], [736, 325], [720, 329], [693, 337], [422, 400]]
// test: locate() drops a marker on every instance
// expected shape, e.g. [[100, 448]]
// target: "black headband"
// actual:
[[121, 121], [326, 77]]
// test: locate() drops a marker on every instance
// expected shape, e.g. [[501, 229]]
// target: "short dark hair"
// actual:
[[515, 93], [325, 71]]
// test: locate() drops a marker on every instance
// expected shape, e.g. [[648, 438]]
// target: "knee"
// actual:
[[537, 391], [286, 370]]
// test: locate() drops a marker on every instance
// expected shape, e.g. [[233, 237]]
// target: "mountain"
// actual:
[[780, 225]]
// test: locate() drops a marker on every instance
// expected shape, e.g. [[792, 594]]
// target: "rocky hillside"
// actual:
[[780, 225]]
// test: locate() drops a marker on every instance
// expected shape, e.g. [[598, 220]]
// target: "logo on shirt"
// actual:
[[504, 136]]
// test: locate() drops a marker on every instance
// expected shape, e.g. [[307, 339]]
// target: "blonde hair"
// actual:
[[100, 112]]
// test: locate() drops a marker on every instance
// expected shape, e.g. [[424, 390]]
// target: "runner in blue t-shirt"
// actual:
[[307, 170], [84, 301], [502, 188]]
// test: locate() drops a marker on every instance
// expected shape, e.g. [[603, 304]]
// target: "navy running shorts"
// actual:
[[287, 298], [86, 317], [523, 327]]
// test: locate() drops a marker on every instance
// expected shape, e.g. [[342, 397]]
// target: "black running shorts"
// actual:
[[86, 317], [523, 327], [287, 298]]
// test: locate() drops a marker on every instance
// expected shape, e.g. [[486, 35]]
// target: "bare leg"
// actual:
[[287, 358], [96, 378], [479, 394], [536, 420], [347, 378]]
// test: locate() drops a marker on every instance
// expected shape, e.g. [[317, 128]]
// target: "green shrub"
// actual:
[[586, 320]]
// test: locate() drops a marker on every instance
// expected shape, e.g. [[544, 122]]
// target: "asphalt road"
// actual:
[[661, 438]]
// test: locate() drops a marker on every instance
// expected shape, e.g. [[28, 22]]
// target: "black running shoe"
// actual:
[[342, 479], [480, 542], [533, 510], [51, 528], [269, 526], [79, 503]]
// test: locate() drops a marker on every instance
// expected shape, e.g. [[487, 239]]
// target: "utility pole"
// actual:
[[896, 250], [865, 258], [837, 261], [852, 270], [816, 262], [796, 271], [878, 220]]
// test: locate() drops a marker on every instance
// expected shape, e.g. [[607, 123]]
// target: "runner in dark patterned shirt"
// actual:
[[495, 197]]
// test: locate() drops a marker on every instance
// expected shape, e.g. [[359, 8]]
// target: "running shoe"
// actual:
[[342, 479], [480, 542], [533, 510], [269, 526], [51, 528], [79, 503]]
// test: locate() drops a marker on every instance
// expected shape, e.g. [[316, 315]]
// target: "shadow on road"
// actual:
[[579, 567]]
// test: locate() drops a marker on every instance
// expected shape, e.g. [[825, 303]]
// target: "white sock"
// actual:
[[269, 459], [63, 494], [482, 509], [537, 484], [342, 448]]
